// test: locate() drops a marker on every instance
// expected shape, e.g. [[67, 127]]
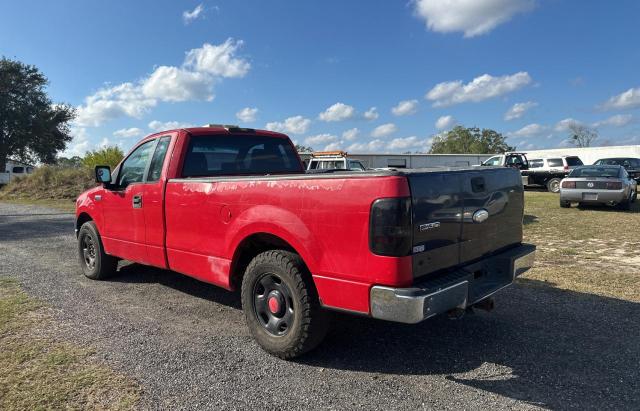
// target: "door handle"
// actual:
[[137, 201]]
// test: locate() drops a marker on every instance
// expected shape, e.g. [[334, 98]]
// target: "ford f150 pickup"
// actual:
[[234, 207]]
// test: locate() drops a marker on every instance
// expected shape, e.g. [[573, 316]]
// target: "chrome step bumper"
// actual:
[[458, 289]]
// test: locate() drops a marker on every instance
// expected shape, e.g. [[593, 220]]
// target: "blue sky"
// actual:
[[315, 70]]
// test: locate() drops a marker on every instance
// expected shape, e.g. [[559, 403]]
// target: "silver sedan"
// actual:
[[610, 185]]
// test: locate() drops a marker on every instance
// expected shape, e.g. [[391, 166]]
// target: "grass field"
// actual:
[[39, 372], [593, 250]]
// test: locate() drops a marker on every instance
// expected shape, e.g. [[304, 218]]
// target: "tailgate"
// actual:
[[445, 234]]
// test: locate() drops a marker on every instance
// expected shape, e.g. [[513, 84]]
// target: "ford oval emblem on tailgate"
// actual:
[[480, 216]]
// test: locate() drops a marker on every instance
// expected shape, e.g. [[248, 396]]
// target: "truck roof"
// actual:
[[225, 129]]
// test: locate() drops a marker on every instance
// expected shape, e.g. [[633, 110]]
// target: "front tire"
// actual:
[[281, 305], [553, 185], [95, 263], [565, 204]]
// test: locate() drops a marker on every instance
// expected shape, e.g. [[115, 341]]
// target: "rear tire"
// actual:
[[626, 204], [281, 305], [553, 185], [95, 264], [565, 204]]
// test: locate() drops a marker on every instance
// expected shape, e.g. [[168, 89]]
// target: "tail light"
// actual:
[[614, 185], [568, 184], [390, 227], [566, 168]]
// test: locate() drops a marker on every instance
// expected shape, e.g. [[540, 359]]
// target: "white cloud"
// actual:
[[384, 130], [406, 143], [529, 130], [189, 16], [175, 84], [218, 60], [480, 88], [128, 132], [472, 17], [321, 139], [108, 103], [619, 120], [563, 125], [624, 100], [351, 134], [79, 145], [337, 112], [156, 125], [194, 80], [405, 108], [293, 125], [373, 145], [445, 122], [247, 114], [371, 114], [518, 110], [333, 146]]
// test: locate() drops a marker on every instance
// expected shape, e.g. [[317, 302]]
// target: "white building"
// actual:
[[588, 155]]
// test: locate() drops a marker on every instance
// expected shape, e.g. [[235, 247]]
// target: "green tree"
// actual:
[[32, 128], [303, 149], [69, 162], [106, 156], [470, 140]]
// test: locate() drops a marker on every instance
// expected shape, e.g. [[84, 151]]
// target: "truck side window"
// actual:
[[155, 169], [493, 161], [555, 162], [537, 163], [132, 170]]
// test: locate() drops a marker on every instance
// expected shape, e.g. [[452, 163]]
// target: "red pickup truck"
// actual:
[[234, 207]]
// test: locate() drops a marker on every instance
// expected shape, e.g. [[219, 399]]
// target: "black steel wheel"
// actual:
[[95, 263], [273, 304], [88, 251], [281, 304]]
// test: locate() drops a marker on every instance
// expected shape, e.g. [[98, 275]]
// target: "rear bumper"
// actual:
[[458, 289], [603, 196]]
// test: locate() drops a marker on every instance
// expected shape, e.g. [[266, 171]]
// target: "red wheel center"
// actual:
[[274, 305]]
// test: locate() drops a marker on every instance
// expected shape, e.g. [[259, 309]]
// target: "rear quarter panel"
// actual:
[[326, 220]]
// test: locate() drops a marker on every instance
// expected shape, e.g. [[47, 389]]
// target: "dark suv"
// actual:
[[632, 165]]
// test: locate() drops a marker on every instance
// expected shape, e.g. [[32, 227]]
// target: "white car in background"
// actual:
[[334, 160]]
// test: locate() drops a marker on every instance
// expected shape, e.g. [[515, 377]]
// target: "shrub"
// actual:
[[106, 156], [50, 182]]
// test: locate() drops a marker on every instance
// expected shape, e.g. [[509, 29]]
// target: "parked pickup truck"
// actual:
[[541, 172], [234, 207]]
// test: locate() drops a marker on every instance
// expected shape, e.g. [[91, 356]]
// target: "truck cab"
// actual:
[[334, 160], [515, 160]]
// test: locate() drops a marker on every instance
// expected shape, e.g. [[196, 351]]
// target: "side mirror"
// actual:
[[103, 174]]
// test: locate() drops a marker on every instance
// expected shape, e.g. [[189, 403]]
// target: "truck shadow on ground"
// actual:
[[542, 345]]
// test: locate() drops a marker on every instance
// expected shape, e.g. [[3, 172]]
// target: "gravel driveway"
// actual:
[[186, 342]]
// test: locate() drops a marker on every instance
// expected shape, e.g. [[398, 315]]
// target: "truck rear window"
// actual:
[[218, 155], [595, 171], [574, 161]]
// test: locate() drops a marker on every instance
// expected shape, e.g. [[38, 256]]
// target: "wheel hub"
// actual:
[[275, 302]]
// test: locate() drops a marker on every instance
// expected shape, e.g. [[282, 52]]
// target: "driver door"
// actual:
[[123, 234]]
